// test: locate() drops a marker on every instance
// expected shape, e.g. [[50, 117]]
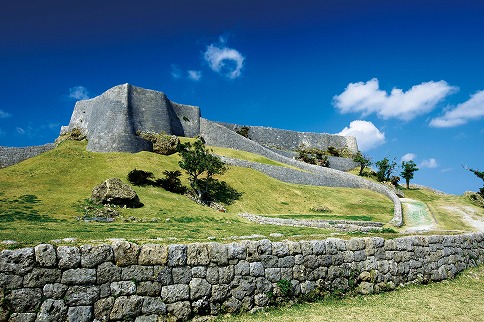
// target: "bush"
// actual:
[[171, 182], [75, 134], [333, 151], [162, 143], [244, 131], [140, 177], [313, 156]]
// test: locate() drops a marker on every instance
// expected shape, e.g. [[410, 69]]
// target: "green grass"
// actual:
[[39, 200], [461, 299]]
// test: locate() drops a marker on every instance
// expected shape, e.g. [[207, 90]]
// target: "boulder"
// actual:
[[113, 191]]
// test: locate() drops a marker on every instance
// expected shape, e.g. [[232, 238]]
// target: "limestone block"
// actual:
[[311, 261], [181, 275], [123, 288], [226, 274], [232, 305], [218, 253], [181, 311], [212, 275], [220, 292], [81, 295], [45, 255], [153, 305], [125, 253], [79, 276], [201, 306], [69, 257], [41, 276], [126, 308], [197, 254], [163, 275], [236, 251], [262, 285], [108, 272], [148, 288], [261, 299], [199, 288], [280, 249], [317, 273], [306, 247], [174, 293], [319, 247], [355, 244], [25, 299], [153, 254], [80, 314], [94, 256], [299, 272], [177, 255], [273, 274], [147, 318], [199, 271], [242, 268], [137, 273], [102, 308], [256, 269], [22, 317], [10, 281], [105, 290], [54, 291], [18, 261], [243, 287], [365, 288]]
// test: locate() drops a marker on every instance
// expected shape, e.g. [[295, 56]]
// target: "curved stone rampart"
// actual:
[[127, 282], [10, 156], [218, 135]]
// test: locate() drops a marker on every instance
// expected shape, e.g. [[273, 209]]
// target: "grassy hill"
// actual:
[[41, 198]]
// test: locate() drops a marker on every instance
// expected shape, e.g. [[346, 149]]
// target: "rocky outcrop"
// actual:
[[114, 192]]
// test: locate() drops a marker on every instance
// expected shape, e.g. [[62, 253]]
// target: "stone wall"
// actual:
[[128, 282], [10, 156]]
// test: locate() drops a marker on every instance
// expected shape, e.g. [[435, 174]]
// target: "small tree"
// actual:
[[385, 169], [197, 161], [479, 174], [408, 170], [363, 160]]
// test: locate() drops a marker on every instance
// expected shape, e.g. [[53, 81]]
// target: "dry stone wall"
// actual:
[[129, 282], [10, 156]]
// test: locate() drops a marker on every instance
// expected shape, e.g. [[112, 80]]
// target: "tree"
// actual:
[[198, 161], [408, 170], [480, 175], [363, 160], [385, 169]]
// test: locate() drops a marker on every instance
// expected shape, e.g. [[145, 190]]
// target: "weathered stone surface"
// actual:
[[232, 305], [108, 272], [69, 257], [175, 293], [10, 281], [78, 276], [25, 299], [22, 317], [153, 305], [80, 314], [220, 292], [261, 299], [273, 274], [242, 268], [54, 291], [81, 295], [163, 275], [177, 255], [126, 253], [199, 288], [197, 254], [199, 271], [153, 254], [181, 311], [147, 318], [41, 276], [256, 269], [52, 311], [126, 308], [365, 288], [225, 274], [137, 273], [236, 251], [212, 275], [181, 275], [114, 192], [148, 288], [45, 255], [18, 261], [92, 256], [102, 308], [218, 253], [123, 288]]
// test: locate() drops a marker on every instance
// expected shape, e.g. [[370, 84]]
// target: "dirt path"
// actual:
[[469, 215], [417, 216]]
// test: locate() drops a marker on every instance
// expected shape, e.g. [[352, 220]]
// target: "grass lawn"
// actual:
[[461, 299]]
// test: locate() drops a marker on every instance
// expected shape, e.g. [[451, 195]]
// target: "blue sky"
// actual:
[[405, 77]]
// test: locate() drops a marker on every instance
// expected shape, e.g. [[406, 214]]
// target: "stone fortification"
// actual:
[[10, 156], [128, 282], [110, 121], [292, 140]]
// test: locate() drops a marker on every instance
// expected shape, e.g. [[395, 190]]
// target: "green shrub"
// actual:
[[171, 182], [162, 143], [244, 131], [140, 177], [333, 151]]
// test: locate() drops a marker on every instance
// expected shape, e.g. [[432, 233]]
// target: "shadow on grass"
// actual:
[[220, 191], [22, 208]]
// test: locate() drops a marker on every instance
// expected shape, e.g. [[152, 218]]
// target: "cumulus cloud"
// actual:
[[175, 71], [472, 109], [78, 93], [224, 60], [409, 156], [367, 98], [366, 133], [430, 163], [194, 75], [4, 114]]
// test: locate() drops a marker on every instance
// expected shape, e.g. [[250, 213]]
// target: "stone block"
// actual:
[[199, 288], [181, 311], [163, 275], [54, 291], [153, 305], [220, 292], [225, 274], [177, 255], [22, 317], [218, 253], [256, 269], [273, 274], [199, 271], [18, 261], [181, 275], [69, 257], [80, 314], [79, 276], [81, 295], [319, 247], [123, 288], [153, 254], [148, 288], [137, 273], [45, 255], [280, 249], [126, 307], [174, 293], [41, 276], [10, 281], [108, 272], [242, 268], [92, 256], [102, 308], [197, 254], [125, 253], [25, 299], [236, 251]]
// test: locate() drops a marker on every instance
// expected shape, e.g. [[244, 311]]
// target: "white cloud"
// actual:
[[20, 130], [225, 61], [367, 98], [194, 75], [78, 93], [175, 71], [366, 133], [472, 109], [4, 114], [409, 156], [430, 163]]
